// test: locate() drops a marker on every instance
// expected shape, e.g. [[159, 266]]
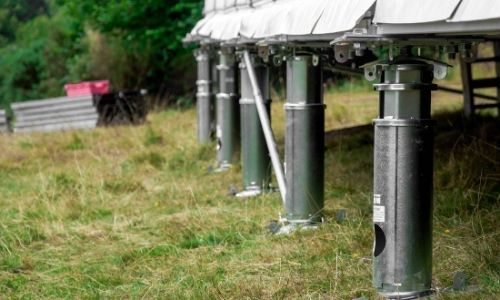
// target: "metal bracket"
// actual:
[[278, 60], [371, 73], [357, 41], [315, 60], [341, 53], [373, 70], [440, 70], [263, 51]]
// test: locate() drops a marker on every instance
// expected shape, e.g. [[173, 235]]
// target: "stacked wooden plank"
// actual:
[[55, 114], [3, 122]]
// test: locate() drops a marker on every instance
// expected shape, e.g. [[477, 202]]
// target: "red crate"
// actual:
[[87, 88]]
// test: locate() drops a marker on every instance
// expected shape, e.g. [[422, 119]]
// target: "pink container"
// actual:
[[87, 88]]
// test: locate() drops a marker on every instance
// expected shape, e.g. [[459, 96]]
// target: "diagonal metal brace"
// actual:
[[266, 127]]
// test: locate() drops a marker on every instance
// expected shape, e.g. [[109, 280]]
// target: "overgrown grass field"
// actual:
[[131, 212]]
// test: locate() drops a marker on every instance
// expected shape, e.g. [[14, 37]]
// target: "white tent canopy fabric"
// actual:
[[477, 10], [475, 17], [423, 11], [420, 11], [227, 20], [233, 19], [341, 16]]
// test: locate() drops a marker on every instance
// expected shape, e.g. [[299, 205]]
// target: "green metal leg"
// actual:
[[255, 160], [204, 101], [304, 143], [227, 113]]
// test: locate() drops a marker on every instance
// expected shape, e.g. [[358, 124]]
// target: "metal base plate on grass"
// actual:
[[249, 193], [423, 295], [254, 191], [222, 168], [284, 227]]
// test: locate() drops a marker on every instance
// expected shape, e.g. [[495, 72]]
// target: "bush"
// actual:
[[135, 44]]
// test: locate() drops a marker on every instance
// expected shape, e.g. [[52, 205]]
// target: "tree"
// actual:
[[149, 34], [136, 44]]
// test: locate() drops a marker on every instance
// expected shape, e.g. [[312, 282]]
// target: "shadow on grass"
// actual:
[[466, 157]]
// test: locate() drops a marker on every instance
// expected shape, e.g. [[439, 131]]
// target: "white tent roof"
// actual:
[[478, 17], [413, 11], [423, 11], [340, 16], [232, 19], [477, 10], [324, 19], [229, 26]]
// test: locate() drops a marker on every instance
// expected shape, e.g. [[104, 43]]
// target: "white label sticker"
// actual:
[[218, 131], [376, 198], [378, 213]]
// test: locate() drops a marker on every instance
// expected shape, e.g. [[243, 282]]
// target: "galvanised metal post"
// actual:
[[402, 200], [304, 141], [214, 59], [204, 95], [255, 160], [227, 111]]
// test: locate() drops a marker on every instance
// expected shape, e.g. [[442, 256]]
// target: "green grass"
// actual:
[[131, 212]]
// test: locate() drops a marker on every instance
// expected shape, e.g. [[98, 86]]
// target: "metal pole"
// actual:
[[214, 90], [255, 160], [266, 127], [304, 142], [227, 112], [204, 96], [402, 200]]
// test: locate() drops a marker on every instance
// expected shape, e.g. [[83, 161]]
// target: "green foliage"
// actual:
[[36, 64], [148, 32], [154, 159], [14, 12], [76, 143], [152, 137], [212, 239], [135, 44]]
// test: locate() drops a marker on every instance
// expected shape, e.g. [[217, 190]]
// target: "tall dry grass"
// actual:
[[131, 212]]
